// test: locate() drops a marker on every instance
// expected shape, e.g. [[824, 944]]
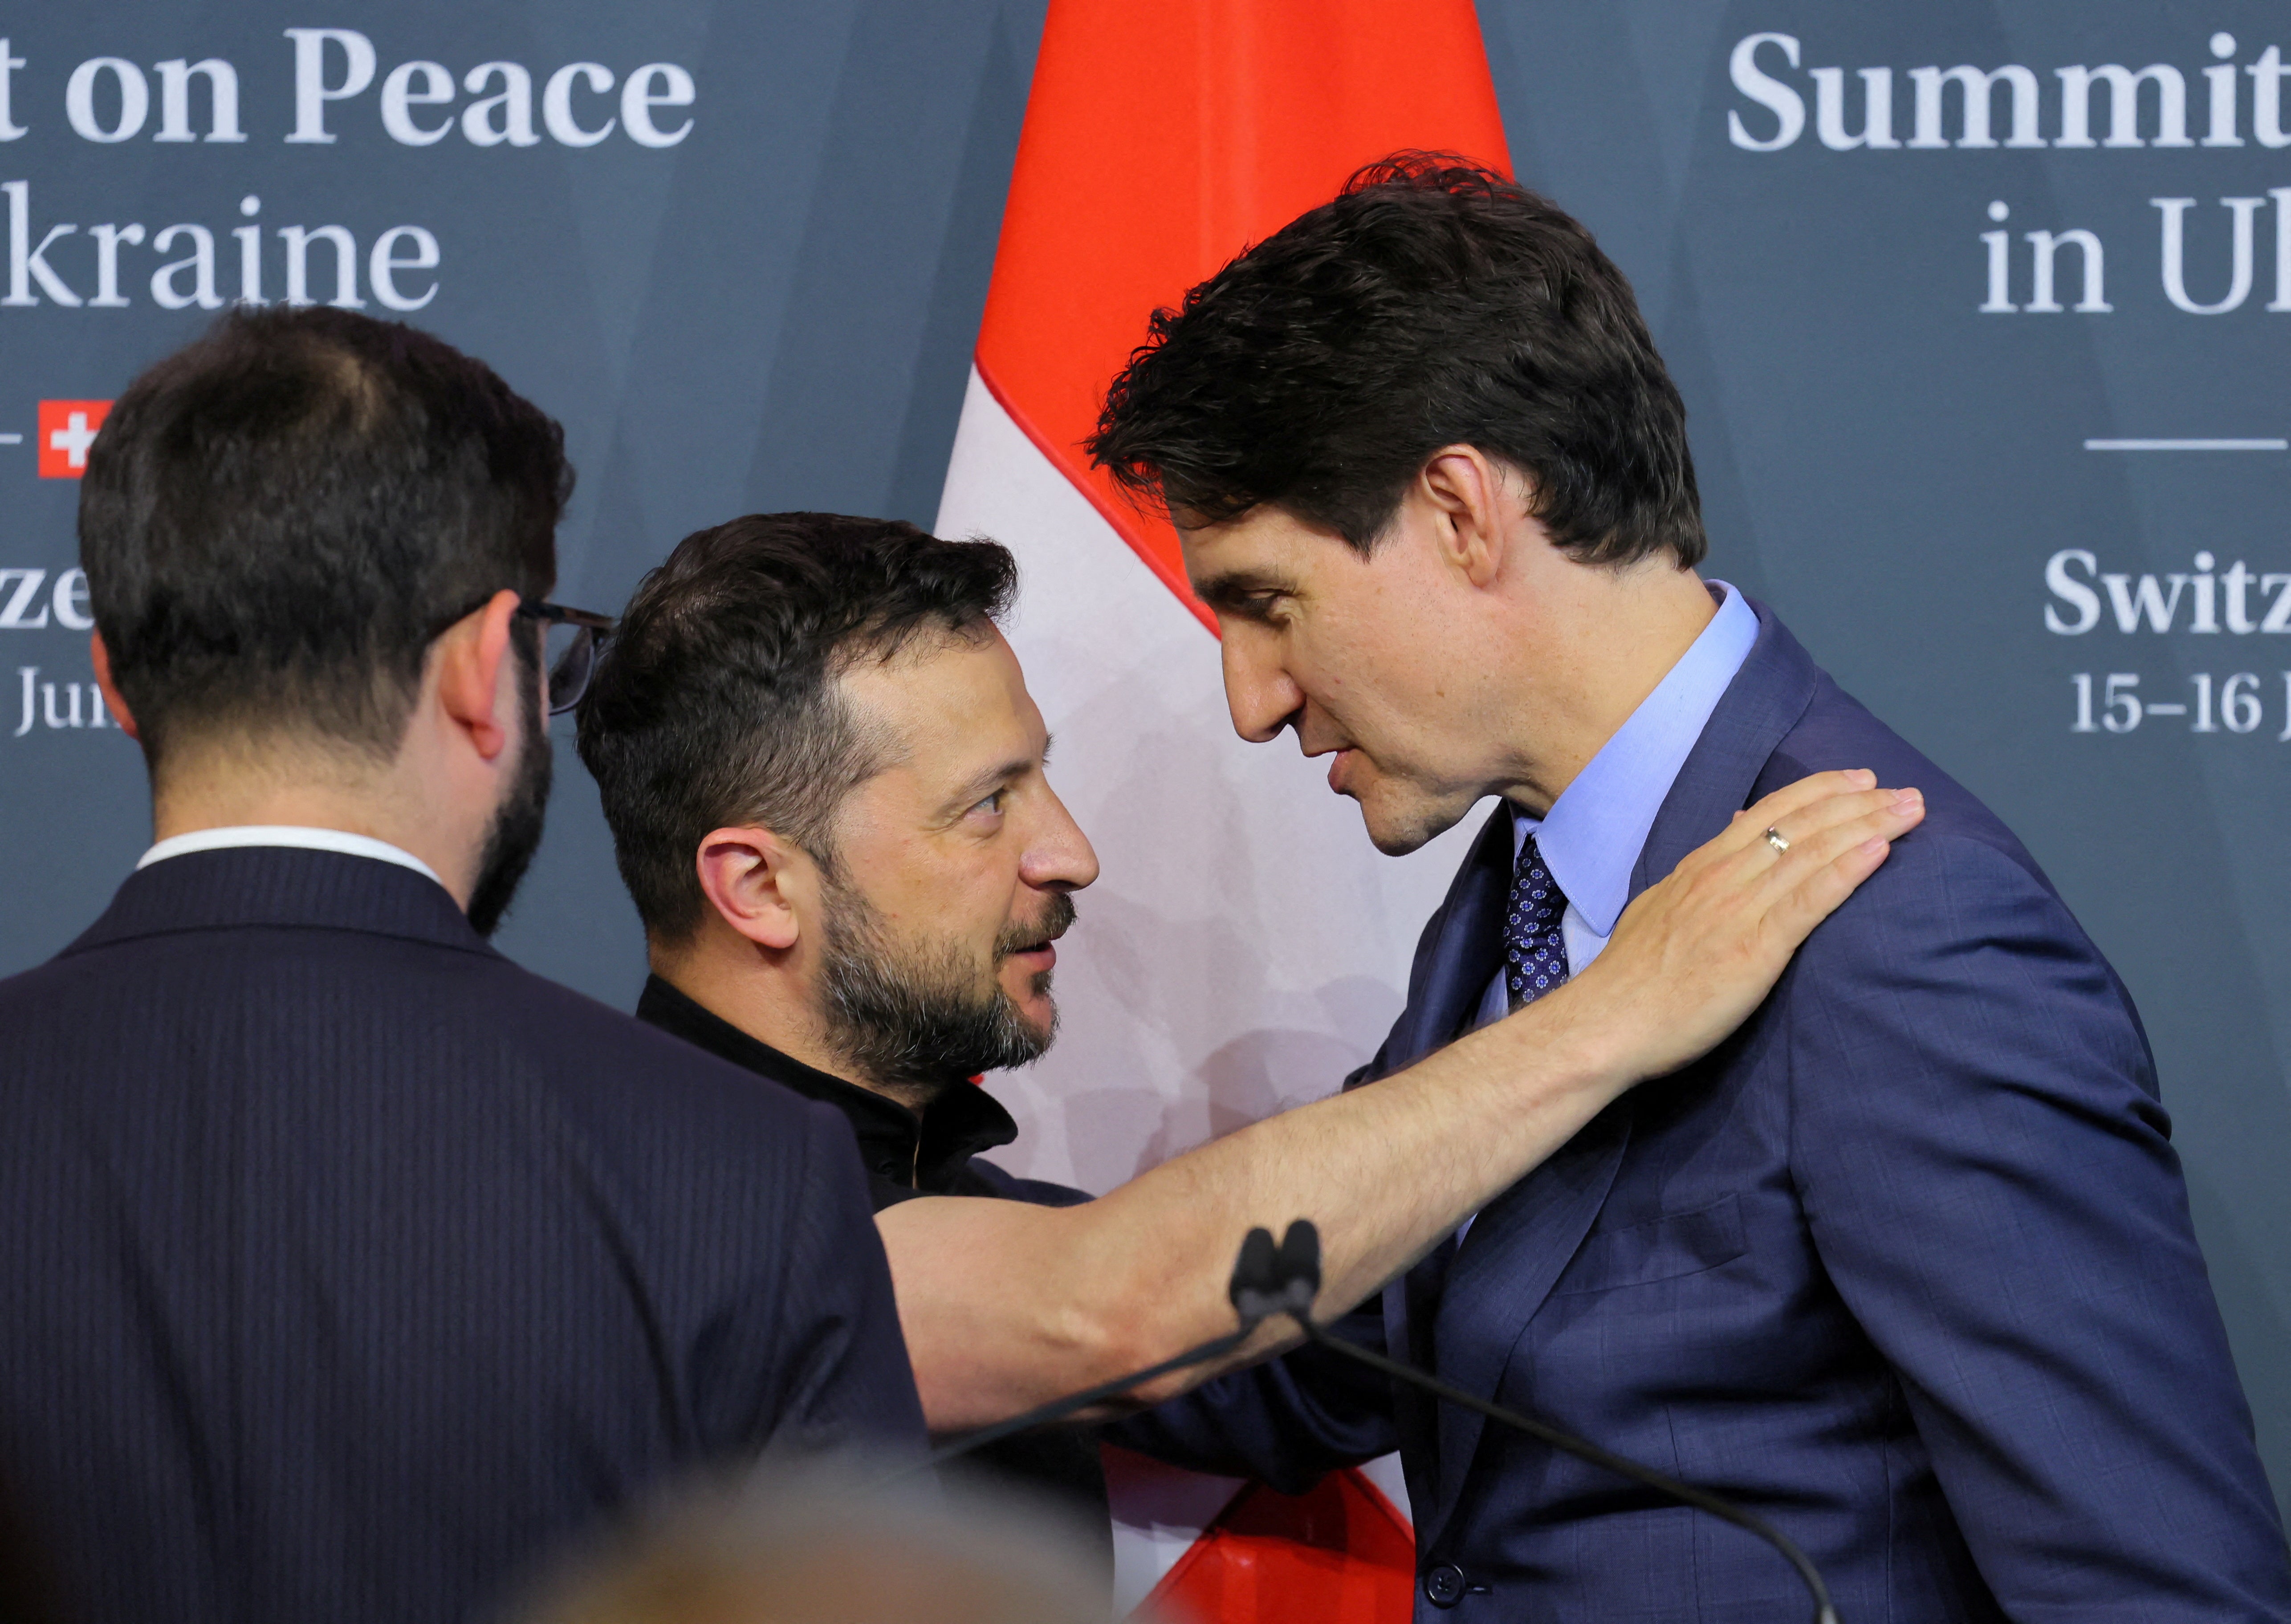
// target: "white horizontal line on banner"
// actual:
[[12, 440], [2186, 445]]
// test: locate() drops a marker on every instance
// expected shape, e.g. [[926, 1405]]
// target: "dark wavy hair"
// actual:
[[279, 518], [1433, 302], [715, 704]]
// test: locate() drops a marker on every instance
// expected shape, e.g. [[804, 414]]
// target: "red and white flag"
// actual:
[[67, 428], [1246, 945]]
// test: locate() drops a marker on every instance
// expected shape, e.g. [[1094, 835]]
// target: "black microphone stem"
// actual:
[[1283, 1280], [1568, 1443], [1059, 1409]]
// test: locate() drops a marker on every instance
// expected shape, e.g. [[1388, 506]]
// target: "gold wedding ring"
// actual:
[[1776, 838]]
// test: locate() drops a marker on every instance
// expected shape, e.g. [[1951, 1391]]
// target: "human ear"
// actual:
[[469, 658], [759, 884], [1475, 507], [112, 702]]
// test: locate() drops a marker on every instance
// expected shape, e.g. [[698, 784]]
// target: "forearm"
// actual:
[[1006, 1305], [1006, 1308], [1383, 1171]]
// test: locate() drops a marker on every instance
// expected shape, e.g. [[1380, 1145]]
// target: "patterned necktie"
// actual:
[[1535, 951]]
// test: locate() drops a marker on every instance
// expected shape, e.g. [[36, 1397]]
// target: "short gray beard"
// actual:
[[909, 1018]]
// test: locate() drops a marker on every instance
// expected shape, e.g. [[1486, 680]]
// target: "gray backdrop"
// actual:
[[776, 310]]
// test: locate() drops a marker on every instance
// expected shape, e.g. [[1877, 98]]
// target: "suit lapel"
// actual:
[[1460, 954], [1522, 1241], [1515, 1251]]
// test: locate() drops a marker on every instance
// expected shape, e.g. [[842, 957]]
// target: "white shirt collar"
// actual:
[[287, 835], [1591, 838]]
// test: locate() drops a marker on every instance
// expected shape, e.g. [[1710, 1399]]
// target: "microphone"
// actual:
[[1260, 1262], [1285, 1280], [1282, 1280]]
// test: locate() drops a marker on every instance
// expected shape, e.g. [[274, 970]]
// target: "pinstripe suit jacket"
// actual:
[[349, 1266]]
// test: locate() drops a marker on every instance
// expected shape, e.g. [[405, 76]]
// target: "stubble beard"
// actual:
[[912, 1017], [515, 833], [1400, 824]]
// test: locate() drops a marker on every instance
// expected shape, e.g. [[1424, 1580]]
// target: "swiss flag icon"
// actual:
[[67, 429]]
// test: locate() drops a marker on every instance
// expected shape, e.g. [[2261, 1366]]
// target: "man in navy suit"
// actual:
[[350, 1267], [829, 797], [1906, 1265]]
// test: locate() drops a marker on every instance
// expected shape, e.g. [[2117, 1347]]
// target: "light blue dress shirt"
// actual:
[[1591, 838]]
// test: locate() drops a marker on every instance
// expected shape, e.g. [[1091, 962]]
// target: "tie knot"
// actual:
[[1535, 944]]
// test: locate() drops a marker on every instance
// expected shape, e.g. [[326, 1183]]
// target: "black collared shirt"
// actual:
[[907, 1155]]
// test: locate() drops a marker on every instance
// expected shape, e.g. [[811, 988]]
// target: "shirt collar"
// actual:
[[294, 835], [1591, 838], [925, 1152]]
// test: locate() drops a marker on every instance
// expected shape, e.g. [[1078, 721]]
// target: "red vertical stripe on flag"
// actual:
[[1161, 140]]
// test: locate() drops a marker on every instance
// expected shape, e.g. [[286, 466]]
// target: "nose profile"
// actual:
[[1060, 856], [1259, 694]]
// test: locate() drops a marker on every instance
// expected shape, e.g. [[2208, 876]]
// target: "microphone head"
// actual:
[[1253, 1274], [1297, 1267], [1269, 1280]]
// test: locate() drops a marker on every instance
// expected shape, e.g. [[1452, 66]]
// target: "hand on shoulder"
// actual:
[[1697, 952]]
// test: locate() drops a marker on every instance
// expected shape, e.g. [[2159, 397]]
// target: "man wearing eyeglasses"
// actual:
[[349, 1266]]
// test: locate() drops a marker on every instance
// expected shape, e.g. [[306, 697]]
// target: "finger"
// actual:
[[1752, 824], [1810, 822], [1834, 865], [1808, 791], [1896, 812], [1793, 918], [1764, 869]]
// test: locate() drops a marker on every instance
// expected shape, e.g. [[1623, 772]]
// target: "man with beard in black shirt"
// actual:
[[825, 778], [933, 1147]]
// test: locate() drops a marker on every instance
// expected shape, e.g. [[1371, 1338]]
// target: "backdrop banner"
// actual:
[[1981, 308]]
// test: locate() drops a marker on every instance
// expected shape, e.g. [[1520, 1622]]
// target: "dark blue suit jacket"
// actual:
[[1906, 1266], [350, 1267]]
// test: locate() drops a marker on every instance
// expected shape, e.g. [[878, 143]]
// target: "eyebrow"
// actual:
[[1232, 590], [978, 787]]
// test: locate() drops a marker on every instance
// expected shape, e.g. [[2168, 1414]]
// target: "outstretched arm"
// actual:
[[1006, 1305]]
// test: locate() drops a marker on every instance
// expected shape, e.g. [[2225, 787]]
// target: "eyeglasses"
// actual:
[[568, 645], [568, 649]]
